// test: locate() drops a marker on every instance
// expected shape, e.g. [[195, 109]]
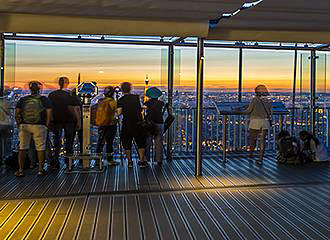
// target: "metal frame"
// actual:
[[2, 64], [170, 98], [199, 105], [294, 90], [313, 90], [200, 45]]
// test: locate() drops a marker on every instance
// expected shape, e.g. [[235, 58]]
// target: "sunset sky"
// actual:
[[112, 64]]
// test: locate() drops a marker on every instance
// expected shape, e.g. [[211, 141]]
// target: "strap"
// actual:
[[268, 113]]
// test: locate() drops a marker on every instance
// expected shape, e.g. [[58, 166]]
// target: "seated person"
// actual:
[[288, 148], [313, 150]]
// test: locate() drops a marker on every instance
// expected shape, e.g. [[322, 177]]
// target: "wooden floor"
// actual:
[[239, 200]]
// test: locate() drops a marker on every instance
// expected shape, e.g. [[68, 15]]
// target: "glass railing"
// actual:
[[296, 120], [184, 136]]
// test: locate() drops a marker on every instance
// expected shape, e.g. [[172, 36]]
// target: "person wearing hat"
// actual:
[[33, 115], [260, 111], [154, 113]]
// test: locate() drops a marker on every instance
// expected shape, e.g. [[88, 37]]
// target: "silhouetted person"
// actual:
[[260, 111], [107, 123], [33, 115], [66, 116], [154, 113], [313, 149], [129, 106]]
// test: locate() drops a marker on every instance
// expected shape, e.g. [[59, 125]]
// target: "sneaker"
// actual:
[[130, 164], [259, 162], [112, 163], [19, 174], [143, 164], [42, 173]]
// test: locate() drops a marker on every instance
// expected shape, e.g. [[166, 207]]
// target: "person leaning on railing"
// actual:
[[260, 111]]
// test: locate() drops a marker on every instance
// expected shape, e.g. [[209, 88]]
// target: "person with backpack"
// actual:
[[105, 119], [33, 115], [313, 149], [154, 113], [260, 111], [130, 107], [66, 116], [288, 148]]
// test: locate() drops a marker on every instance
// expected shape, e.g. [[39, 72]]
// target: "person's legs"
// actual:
[[126, 140], [253, 141], [100, 141], [21, 160], [148, 147], [262, 140], [140, 139], [110, 136], [159, 143], [24, 138], [57, 144], [40, 138], [69, 134]]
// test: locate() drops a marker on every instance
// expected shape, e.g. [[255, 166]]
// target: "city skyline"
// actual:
[[113, 64]]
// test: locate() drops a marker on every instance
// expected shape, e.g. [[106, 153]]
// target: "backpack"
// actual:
[[105, 112], [288, 150], [32, 110], [4, 113]]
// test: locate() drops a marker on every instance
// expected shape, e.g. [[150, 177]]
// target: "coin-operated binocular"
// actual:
[[86, 91]]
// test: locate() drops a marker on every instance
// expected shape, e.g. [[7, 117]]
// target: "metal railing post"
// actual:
[[294, 92], [199, 106], [313, 91], [2, 63], [170, 99]]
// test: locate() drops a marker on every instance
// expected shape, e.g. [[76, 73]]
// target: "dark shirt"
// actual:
[[131, 110], [155, 110], [45, 104], [61, 100]]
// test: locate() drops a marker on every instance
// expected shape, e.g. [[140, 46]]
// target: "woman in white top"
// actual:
[[260, 111]]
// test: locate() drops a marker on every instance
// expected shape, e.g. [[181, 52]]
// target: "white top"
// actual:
[[321, 153]]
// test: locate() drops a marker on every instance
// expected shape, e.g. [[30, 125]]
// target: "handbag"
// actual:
[[169, 120], [268, 114], [147, 125]]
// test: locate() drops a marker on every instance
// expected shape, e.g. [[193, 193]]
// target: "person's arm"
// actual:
[[18, 111], [18, 117], [48, 116], [250, 107], [119, 111], [75, 110]]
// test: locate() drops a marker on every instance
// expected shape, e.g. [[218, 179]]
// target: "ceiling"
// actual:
[[271, 20]]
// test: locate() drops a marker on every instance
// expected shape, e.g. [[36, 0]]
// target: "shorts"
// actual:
[[37, 132], [258, 124], [127, 139]]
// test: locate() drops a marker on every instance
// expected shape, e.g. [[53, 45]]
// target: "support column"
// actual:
[[240, 74], [313, 90], [294, 91], [170, 98], [2, 63], [199, 106]]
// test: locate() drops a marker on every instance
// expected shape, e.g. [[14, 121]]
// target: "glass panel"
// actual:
[[105, 64], [220, 85], [184, 99], [273, 68]]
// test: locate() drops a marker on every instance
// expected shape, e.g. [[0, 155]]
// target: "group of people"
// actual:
[[290, 149], [36, 115]]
